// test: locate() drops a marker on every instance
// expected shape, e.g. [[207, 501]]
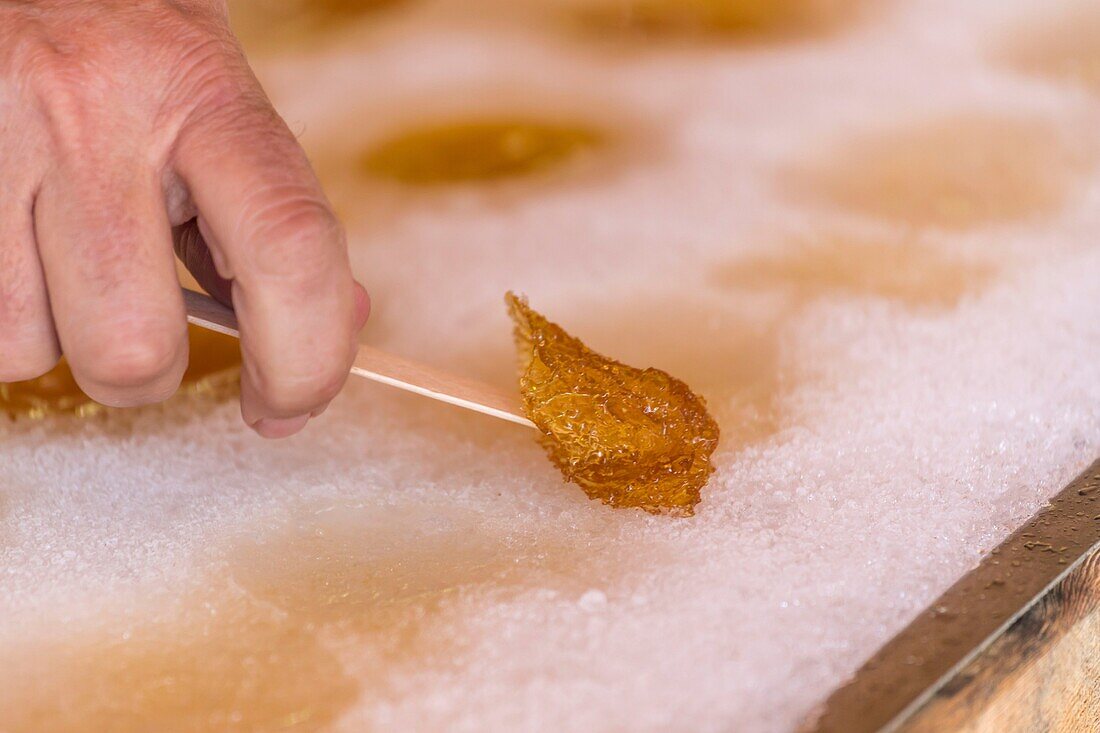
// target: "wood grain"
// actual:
[[1014, 645], [383, 367], [1042, 674]]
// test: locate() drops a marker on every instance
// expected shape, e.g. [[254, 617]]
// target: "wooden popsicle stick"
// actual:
[[379, 366]]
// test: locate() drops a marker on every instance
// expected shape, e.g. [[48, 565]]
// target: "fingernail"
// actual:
[[270, 427], [362, 305]]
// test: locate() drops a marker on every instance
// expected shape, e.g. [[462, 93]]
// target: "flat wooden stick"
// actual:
[[379, 366]]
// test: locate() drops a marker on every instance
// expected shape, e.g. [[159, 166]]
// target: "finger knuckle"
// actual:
[[137, 358], [297, 237], [64, 94], [31, 55], [296, 392], [218, 94], [24, 43], [211, 78], [76, 75]]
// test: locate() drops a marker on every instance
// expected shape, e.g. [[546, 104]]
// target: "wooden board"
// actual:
[[1012, 646]]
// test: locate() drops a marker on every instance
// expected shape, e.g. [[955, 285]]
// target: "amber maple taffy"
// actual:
[[629, 437], [958, 172], [735, 19], [476, 150], [1063, 48], [280, 25]]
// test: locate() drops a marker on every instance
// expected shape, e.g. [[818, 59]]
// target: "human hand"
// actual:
[[127, 126]]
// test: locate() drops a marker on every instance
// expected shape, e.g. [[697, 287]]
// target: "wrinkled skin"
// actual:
[[130, 126]]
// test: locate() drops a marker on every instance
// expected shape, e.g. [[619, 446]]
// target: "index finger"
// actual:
[[272, 232]]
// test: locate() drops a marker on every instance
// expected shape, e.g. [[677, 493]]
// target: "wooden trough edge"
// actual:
[[1014, 645]]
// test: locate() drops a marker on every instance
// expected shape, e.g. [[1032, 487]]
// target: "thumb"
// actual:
[[192, 251]]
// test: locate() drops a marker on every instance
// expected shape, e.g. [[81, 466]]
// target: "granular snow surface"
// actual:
[[873, 249]]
